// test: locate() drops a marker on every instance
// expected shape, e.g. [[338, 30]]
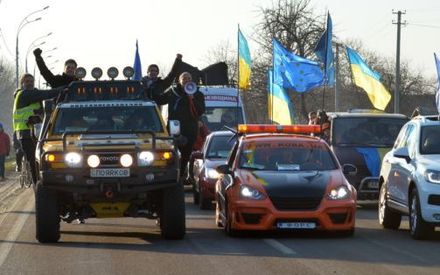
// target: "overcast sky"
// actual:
[[103, 32]]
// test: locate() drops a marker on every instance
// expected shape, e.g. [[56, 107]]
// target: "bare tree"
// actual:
[[7, 86]]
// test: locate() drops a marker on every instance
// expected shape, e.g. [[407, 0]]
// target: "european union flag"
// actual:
[[137, 67], [324, 52], [294, 72]]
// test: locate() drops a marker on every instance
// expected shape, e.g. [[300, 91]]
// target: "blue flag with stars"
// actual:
[[294, 72]]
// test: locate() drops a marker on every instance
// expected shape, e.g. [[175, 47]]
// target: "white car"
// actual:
[[410, 178]]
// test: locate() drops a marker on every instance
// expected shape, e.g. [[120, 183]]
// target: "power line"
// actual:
[[424, 25], [4, 42]]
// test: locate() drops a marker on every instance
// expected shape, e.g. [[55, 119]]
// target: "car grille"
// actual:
[[295, 203]]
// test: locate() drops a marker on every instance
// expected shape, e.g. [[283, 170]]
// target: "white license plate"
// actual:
[[296, 225], [110, 173], [373, 184]]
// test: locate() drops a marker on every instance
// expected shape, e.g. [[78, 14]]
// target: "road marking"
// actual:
[[279, 246], [8, 243]]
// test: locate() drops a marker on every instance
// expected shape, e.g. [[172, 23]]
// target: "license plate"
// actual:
[[296, 225], [110, 173], [373, 184]]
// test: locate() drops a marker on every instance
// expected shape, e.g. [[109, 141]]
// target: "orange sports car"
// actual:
[[277, 179]]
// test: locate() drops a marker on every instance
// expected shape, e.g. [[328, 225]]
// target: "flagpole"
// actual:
[[238, 70], [272, 87]]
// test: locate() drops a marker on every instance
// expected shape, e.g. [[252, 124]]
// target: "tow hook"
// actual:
[[109, 193]]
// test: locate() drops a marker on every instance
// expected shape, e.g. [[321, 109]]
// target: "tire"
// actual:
[[204, 204], [418, 228], [47, 218], [172, 214], [388, 218], [228, 224]]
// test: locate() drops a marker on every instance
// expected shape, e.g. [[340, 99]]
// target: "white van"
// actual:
[[223, 108]]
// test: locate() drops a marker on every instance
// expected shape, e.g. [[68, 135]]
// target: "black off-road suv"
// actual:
[[104, 151]]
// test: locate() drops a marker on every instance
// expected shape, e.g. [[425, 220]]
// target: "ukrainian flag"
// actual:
[[244, 63], [368, 80], [279, 104]]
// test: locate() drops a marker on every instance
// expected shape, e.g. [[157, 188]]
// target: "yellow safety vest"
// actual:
[[20, 116]]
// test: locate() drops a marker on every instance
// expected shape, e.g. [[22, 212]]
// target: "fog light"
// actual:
[[126, 160], [69, 178], [93, 161], [149, 177]]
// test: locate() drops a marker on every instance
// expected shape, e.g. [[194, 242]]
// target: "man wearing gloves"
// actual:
[[52, 80]]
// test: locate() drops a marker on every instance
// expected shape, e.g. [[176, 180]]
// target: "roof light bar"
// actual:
[[285, 129]]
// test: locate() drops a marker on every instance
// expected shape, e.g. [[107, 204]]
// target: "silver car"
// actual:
[[410, 178]]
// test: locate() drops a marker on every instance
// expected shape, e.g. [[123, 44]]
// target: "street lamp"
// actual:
[[33, 45], [22, 24]]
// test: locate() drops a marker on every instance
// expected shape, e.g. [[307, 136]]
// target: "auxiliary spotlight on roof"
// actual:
[[80, 72], [128, 72], [112, 72], [96, 73]]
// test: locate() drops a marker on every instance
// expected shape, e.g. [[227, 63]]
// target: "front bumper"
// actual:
[[429, 194], [263, 216], [207, 187]]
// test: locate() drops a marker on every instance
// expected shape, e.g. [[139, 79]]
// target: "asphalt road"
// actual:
[[134, 246]]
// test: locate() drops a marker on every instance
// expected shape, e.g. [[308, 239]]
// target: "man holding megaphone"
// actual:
[[185, 104]]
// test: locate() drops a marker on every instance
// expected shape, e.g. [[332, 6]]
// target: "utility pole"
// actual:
[[397, 88]]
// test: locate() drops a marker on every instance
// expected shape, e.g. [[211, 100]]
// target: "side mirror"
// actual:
[[402, 153], [349, 169], [174, 126], [223, 169], [197, 155], [48, 106]]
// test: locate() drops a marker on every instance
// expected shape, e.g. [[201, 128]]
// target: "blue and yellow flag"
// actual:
[[244, 63], [368, 80], [283, 112], [294, 72], [137, 66]]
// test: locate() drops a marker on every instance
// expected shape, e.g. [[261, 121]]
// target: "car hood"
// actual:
[[298, 184], [213, 163], [430, 161]]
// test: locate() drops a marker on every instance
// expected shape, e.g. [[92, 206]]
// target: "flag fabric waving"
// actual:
[[324, 52], [137, 67], [278, 97], [244, 63], [437, 94], [294, 72], [368, 80]]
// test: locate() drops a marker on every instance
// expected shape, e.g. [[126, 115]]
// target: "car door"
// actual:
[[407, 169], [398, 175]]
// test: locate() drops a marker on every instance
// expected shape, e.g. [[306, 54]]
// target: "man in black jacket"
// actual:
[[155, 85], [52, 80], [185, 108], [27, 101]]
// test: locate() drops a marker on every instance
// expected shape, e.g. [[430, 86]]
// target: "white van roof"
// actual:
[[220, 96]]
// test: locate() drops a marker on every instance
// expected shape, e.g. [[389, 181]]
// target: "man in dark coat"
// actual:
[[52, 80], [154, 84], [185, 108]]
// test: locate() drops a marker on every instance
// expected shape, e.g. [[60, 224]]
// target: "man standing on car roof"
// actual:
[[27, 101], [52, 80], [185, 108], [153, 84]]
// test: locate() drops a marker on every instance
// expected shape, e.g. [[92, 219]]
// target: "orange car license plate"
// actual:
[[296, 225]]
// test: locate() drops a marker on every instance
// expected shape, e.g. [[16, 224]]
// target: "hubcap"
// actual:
[[413, 217]]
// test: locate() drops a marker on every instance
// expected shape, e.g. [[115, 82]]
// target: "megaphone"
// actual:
[[190, 88]]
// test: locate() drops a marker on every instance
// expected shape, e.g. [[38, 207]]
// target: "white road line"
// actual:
[[8, 243], [279, 246]]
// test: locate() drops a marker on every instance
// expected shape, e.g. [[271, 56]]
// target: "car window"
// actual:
[[404, 141], [286, 155], [220, 146], [412, 140], [430, 139], [217, 117]]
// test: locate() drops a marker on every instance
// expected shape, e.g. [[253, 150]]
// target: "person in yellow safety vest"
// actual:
[[26, 102]]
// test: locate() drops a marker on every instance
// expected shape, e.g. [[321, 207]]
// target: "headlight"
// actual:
[[339, 193], [211, 173], [93, 161], [73, 159], [251, 193], [126, 160], [145, 158], [432, 176]]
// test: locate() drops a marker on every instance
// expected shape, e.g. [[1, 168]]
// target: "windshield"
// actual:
[[366, 131], [217, 117], [220, 146], [96, 119], [430, 140], [286, 155]]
